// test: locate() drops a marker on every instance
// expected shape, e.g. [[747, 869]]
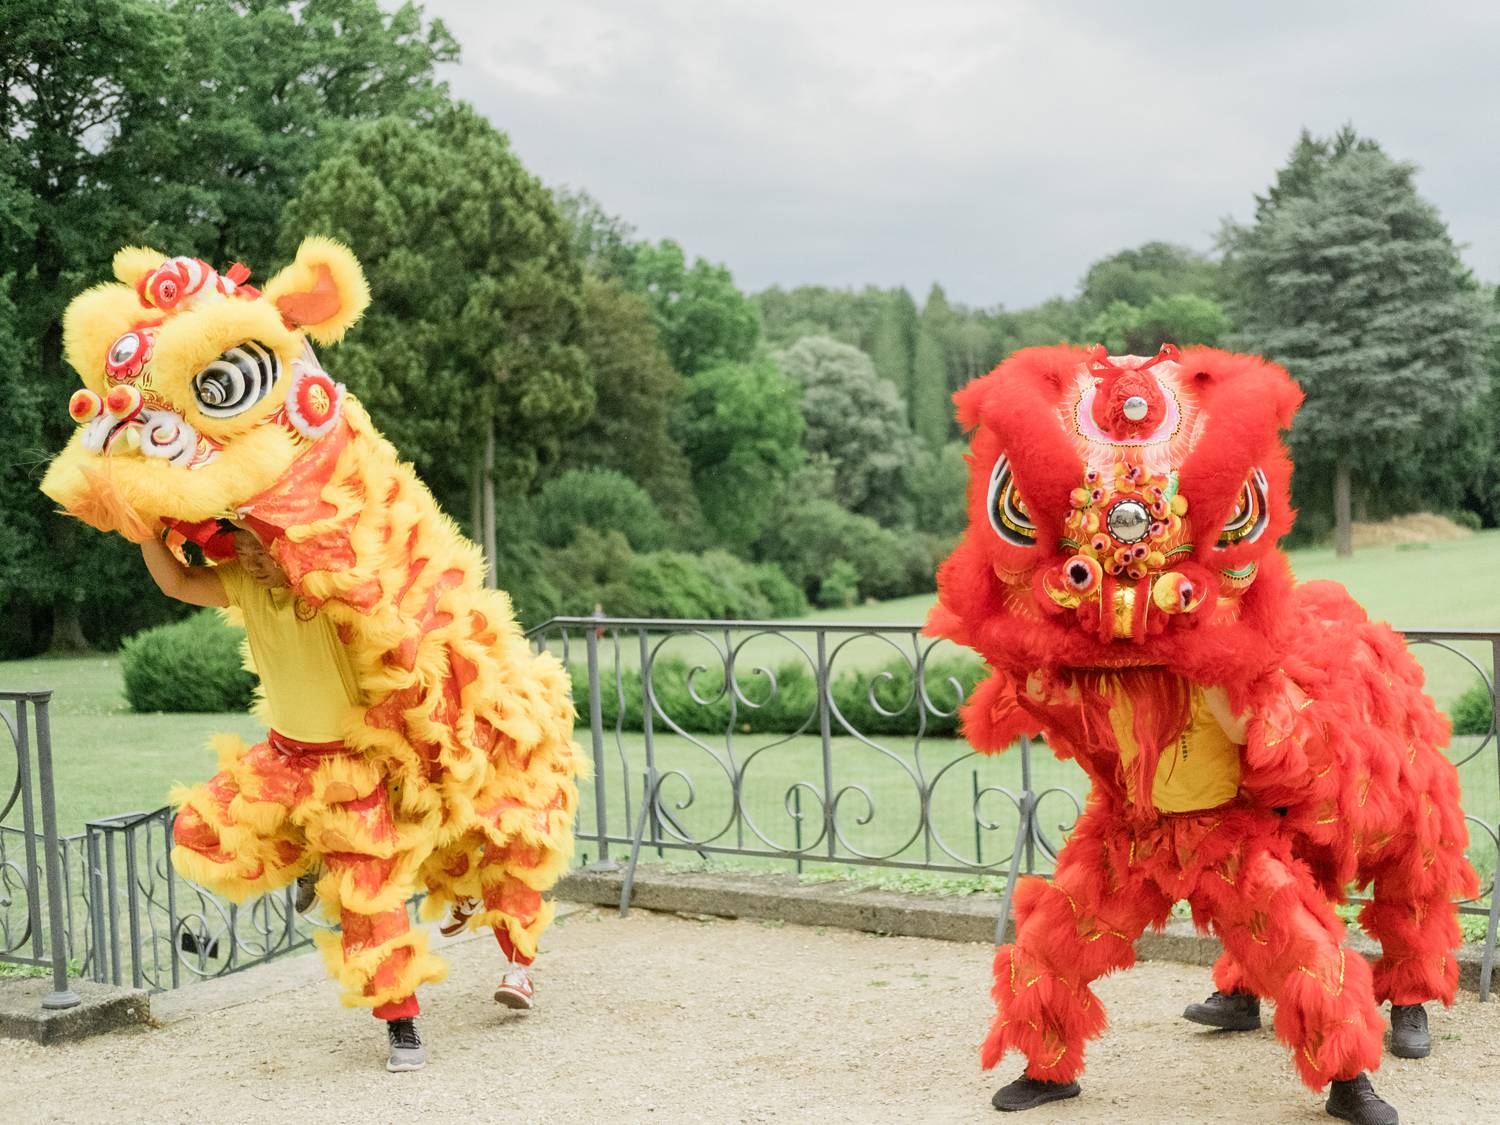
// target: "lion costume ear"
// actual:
[[135, 262], [322, 292]]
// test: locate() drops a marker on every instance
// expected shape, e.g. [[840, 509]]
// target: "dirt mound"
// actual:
[[1419, 527]]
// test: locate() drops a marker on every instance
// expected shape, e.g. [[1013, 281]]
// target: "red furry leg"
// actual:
[[1228, 976], [1275, 922], [1417, 938], [1069, 933]]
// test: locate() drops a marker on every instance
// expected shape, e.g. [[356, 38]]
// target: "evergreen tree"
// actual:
[[1349, 278], [893, 342], [931, 410], [471, 357]]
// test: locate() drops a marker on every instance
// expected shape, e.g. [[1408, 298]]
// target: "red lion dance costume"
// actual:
[[203, 400], [1254, 746]]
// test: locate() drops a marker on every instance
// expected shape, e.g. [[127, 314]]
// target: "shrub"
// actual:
[[602, 500], [793, 707], [191, 665], [840, 586], [811, 535], [1473, 711]]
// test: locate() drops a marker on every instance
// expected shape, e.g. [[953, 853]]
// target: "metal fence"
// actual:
[[33, 885], [777, 744], [862, 767]]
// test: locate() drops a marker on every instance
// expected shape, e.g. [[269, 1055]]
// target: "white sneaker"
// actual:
[[458, 916], [516, 990]]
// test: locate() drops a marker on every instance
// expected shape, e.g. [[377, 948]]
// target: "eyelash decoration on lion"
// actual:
[[201, 400], [1254, 746]]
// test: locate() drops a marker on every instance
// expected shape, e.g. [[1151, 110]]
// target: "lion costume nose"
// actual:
[[124, 402]]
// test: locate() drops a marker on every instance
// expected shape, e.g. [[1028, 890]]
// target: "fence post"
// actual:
[[596, 733], [61, 995], [825, 735]]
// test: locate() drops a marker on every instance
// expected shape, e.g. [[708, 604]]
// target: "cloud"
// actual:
[[996, 147]]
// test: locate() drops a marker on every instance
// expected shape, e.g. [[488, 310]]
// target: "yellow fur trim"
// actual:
[[92, 322], [134, 262], [151, 484], [353, 974], [350, 292]]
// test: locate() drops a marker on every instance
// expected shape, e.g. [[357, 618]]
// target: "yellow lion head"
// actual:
[[199, 391]]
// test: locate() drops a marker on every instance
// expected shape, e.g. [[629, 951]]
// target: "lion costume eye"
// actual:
[[237, 380], [1250, 517], [1008, 515]]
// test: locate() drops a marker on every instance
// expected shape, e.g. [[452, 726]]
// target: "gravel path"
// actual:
[[664, 1019]]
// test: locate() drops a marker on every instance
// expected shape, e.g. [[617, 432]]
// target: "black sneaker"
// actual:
[[1228, 1011], [407, 1051], [1028, 1093], [1410, 1038], [1356, 1100]]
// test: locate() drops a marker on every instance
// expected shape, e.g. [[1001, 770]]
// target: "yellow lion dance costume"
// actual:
[[203, 401]]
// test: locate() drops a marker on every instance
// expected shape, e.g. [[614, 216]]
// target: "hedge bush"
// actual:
[[811, 535], [602, 570], [601, 500], [191, 665], [794, 705], [1472, 712]]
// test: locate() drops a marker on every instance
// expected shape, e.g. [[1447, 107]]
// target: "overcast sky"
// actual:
[[997, 148]]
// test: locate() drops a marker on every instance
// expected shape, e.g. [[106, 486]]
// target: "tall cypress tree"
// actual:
[[931, 412], [894, 340], [1349, 278]]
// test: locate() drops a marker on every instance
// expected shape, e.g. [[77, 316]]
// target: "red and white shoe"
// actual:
[[458, 916], [516, 990]]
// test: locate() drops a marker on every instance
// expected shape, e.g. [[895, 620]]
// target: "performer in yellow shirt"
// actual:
[[309, 687]]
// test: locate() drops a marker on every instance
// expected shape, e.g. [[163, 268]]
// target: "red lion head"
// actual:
[[1123, 512]]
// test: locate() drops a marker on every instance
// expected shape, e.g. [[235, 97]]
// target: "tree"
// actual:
[[1352, 282], [635, 391], [184, 124], [940, 490], [604, 244], [893, 342], [703, 319], [601, 500], [856, 420], [1140, 275], [931, 410], [471, 357], [741, 429], [1181, 319]]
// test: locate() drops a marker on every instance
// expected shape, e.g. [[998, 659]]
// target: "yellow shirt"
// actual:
[[304, 669], [1199, 770]]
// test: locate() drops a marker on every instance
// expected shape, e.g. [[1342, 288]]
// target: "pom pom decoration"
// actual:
[[85, 406], [313, 402]]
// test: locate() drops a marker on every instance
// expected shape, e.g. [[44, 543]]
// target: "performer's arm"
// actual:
[[194, 585], [1235, 726]]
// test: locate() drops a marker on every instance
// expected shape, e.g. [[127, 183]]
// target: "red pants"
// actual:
[[278, 809], [1114, 879]]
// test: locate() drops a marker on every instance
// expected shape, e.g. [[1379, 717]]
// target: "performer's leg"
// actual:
[[1069, 932], [368, 875], [233, 834], [1274, 920], [1417, 928]]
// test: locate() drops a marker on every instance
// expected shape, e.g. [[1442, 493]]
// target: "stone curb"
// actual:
[[103, 1008], [852, 906]]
